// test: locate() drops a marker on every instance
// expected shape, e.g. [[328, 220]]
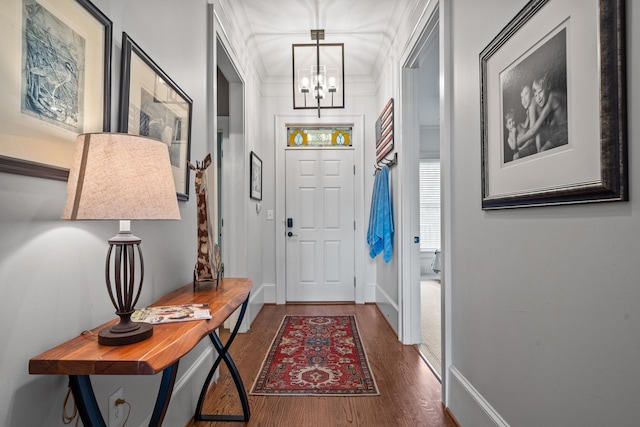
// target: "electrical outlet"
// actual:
[[116, 408]]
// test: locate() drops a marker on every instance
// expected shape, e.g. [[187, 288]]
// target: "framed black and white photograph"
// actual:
[[553, 112], [55, 80], [151, 104], [255, 174]]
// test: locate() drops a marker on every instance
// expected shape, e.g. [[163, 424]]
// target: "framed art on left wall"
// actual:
[[55, 79], [255, 175], [153, 105]]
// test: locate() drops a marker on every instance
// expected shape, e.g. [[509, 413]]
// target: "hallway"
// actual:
[[409, 392]]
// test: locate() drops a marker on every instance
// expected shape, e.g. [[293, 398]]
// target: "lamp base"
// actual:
[[108, 337]]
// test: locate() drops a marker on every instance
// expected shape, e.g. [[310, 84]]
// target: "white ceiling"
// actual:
[[366, 28]]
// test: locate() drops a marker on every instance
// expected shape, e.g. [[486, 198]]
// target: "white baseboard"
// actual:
[[388, 307], [468, 406], [256, 301], [370, 292], [269, 293]]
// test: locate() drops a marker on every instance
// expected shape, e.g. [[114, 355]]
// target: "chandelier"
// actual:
[[318, 74]]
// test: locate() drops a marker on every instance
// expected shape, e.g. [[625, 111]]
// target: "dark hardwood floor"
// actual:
[[409, 392]]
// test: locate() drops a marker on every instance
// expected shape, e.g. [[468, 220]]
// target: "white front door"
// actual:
[[319, 224]]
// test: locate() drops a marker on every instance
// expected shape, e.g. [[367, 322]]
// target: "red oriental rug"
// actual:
[[316, 355]]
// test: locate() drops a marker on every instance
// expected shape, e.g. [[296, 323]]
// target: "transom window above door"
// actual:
[[319, 136]]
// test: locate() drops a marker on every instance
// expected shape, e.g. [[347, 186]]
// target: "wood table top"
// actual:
[[83, 355]]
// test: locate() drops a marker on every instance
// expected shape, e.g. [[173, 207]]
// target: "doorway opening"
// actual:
[[319, 203], [335, 168], [230, 146], [429, 196], [423, 164], [430, 266]]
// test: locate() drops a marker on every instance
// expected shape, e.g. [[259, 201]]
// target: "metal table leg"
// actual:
[[223, 354], [164, 395], [86, 401], [88, 406]]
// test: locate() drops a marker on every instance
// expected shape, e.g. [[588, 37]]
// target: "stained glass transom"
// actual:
[[319, 137]]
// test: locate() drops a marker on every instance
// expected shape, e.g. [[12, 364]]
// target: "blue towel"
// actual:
[[380, 233]]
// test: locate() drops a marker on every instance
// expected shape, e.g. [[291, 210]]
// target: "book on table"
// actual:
[[172, 313]]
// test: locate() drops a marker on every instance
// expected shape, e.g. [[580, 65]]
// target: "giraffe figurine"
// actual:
[[208, 266]]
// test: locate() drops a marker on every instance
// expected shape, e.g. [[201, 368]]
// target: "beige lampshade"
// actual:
[[122, 177]]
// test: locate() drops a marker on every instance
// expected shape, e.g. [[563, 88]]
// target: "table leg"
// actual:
[[164, 395], [223, 354], [88, 406], [86, 401]]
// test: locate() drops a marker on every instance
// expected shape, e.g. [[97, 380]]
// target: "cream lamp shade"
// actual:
[[120, 176]]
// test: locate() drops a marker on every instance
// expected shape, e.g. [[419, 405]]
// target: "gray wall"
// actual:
[[545, 301], [52, 271]]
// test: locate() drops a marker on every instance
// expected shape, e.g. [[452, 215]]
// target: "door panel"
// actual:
[[320, 243]]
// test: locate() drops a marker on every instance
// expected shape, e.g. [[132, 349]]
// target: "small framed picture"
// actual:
[[55, 80], [553, 106], [151, 104], [255, 166]]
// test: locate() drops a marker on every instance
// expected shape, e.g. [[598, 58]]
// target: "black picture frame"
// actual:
[[152, 104], [582, 158], [255, 177], [38, 139]]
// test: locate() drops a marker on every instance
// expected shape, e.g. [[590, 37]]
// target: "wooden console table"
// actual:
[[82, 356]]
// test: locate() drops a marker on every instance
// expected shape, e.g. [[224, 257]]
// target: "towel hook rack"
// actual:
[[385, 161]]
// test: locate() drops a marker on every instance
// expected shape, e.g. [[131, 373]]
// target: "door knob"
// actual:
[[290, 233]]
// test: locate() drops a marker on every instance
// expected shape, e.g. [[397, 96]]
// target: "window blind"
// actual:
[[430, 204]]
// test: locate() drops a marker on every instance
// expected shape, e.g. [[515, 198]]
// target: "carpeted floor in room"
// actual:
[[431, 346]]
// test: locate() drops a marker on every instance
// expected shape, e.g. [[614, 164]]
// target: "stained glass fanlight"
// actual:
[[319, 136]]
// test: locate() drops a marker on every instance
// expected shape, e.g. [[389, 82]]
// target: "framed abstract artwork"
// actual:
[[553, 106], [151, 104], [55, 79], [255, 174]]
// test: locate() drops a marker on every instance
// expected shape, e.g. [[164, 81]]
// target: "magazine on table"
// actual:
[[172, 313]]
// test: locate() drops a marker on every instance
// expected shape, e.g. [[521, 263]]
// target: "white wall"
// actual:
[[545, 301], [276, 102]]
